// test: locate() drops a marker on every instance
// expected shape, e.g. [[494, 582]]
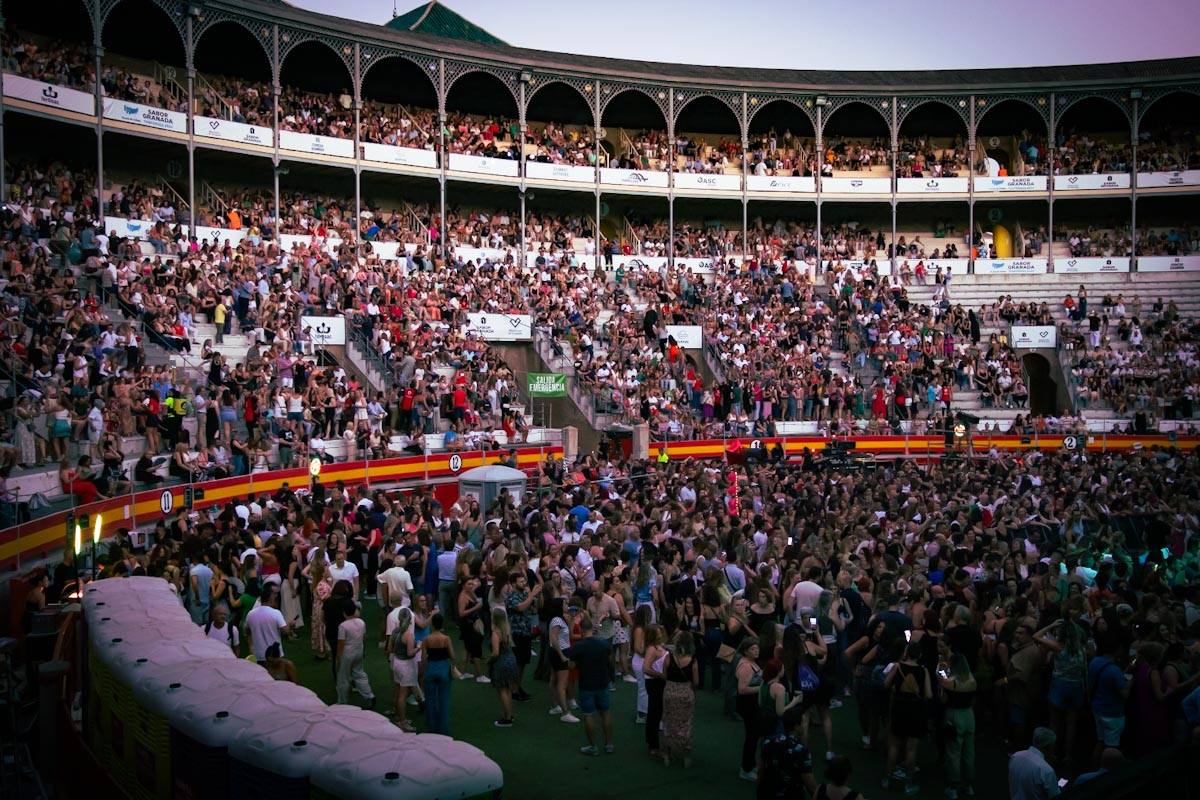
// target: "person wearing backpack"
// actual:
[[219, 629], [909, 692], [813, 677]]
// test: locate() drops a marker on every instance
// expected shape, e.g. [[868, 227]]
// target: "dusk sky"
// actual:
[[831, 34]]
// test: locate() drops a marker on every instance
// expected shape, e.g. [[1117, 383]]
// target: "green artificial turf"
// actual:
[[541, 759]]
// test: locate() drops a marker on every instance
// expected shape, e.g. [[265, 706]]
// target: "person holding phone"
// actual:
[[958, 690]]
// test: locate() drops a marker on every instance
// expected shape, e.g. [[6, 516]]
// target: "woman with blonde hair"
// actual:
[[402, 656], [317, 573], [503, 666]]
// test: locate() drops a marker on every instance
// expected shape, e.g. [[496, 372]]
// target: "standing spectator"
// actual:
[[519, 604], [910, 691], [958, 691], [438, 653], [748, 676], [1029, 776], [352, 634], [679, 699], [1108, 687], [504, 676], [593, 657], [265, 624]]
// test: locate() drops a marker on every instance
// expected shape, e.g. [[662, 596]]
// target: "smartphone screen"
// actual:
[[1062, 783], [908, 636], [812, 622], [943, 674], [1166, 552]]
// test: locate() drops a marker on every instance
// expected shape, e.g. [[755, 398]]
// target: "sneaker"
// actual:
[[829, 755], [951, 793], [466, 676], [640, 719], [503, 722], [574, 705], [866, 743], [589, 750], [556, 711], [569, 718], [629, 679], [522, 697], [751, 776], [911, 788], [608, 748], [412, 700], [483, 679], [835, 703]]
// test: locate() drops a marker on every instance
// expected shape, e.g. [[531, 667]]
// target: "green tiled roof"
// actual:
[[435, 19]]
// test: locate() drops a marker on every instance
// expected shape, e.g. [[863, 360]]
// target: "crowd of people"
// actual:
[[1075, 151], [1138, 359], [1044, 603]]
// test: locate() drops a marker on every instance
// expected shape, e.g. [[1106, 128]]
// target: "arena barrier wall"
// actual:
[[34, 540], [170, 713]]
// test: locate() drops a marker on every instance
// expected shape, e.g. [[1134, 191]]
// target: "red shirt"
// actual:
[[406, 402], [460, 398]]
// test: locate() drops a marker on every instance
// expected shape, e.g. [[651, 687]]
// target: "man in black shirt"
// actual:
[[593, 658]]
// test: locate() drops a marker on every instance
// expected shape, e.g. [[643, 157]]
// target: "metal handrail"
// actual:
[[416, 225], [165, 76], [212, 198], [225, 106], [180, 201]]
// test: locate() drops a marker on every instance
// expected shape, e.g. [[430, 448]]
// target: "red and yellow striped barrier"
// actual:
[[916, 446], [36, 539]]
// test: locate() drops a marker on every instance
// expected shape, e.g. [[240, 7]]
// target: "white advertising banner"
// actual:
[[1027, 336], [47, 94], [213, 128], [637, 263], [559, 172], [633, 177], [403, 156], [505, 167], [701, 266], [317, 145], [932, 185], [128, 228], [219, 235], [1010, 266], [856, 185], [124, 111], [325, 330], [1072, 266], [694, 180], [1146, 180], [500, 327], [1168, 263], [1071, 183], [1011, 183], [780, 183], [689, 337]]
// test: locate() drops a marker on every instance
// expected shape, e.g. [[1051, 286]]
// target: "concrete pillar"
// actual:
[[570, 443], [641, 441]]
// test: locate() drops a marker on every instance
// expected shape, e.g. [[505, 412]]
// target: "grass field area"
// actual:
[[541, 760]]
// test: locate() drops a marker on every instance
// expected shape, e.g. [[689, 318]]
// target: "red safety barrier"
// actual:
[[34, 540]]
